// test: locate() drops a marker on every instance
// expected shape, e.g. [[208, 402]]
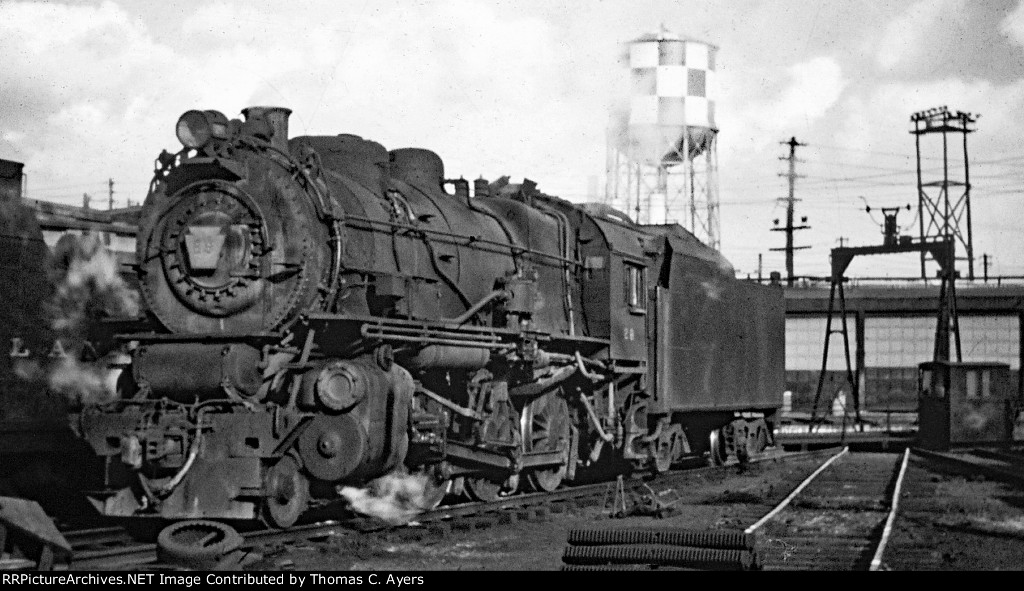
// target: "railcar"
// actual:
[[40, 457]]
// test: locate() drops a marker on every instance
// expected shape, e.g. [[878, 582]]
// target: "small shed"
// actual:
[[965, 404]]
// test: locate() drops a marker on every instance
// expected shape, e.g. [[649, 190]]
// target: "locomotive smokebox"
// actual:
[[276, 119]]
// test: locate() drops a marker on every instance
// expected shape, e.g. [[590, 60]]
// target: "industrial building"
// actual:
[[891, 331]]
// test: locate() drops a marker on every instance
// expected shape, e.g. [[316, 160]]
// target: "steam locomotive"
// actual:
[[331, 314]]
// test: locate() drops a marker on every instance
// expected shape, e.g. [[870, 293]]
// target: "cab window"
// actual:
[[972, 385], [635, 286]]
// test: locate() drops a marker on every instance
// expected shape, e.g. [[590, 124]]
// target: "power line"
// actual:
[[897, 173], [865, 151]]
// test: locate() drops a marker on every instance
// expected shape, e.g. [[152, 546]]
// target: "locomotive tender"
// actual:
[[331, 314]]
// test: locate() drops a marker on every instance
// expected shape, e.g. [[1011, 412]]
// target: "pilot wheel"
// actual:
[[287, 493]]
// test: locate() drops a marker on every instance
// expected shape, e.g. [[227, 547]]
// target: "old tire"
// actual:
[[197, 543]]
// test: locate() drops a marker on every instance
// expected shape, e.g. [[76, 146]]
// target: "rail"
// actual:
[[1006, 469], [876, 561], [796, 491], [854, 489]]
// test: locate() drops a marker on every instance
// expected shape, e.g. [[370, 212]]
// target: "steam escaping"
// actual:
[[27, 369], [84, 383], [395, 498], [87, 283], [87, 286]]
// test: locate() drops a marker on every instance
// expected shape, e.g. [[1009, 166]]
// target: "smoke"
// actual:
[[84, 383], [395, 498], [87, 287], [27, 369], [88, 284]]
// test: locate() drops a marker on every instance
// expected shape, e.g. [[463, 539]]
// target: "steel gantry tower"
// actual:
[[944, 204]]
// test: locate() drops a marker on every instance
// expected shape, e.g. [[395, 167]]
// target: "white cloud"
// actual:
[[1013, 25], [914, 33], [58, 52], [757, 112], [490, 94]]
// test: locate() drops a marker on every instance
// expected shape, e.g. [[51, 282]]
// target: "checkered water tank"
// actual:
[[673, 93]]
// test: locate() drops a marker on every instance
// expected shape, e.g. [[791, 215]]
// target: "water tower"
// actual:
[[662, 148]]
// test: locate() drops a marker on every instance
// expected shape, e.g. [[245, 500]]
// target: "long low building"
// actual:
[[892, 330]]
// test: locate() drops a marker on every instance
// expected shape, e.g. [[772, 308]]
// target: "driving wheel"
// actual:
[[547, 429], [481, 488]]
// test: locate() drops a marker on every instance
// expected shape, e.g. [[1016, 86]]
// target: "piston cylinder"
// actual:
[[340, 385], [368, 437]]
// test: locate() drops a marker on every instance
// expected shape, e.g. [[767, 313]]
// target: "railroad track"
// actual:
[[839, 518], [1004, 465], [118, 553], [930, 511]]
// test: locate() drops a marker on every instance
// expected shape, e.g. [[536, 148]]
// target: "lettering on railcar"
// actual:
[[19, 351]]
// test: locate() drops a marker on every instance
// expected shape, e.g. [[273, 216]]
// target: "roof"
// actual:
[[10, 169], [666, 35]]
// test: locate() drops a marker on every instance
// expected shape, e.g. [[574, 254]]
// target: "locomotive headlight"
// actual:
[[195, 129]]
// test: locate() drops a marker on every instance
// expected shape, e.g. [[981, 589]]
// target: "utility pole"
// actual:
[[984, 262], [842, 241], [789, 228], [110, 190], [85, 200]]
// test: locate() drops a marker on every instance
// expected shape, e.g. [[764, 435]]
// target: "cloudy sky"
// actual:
[[91, 91]]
